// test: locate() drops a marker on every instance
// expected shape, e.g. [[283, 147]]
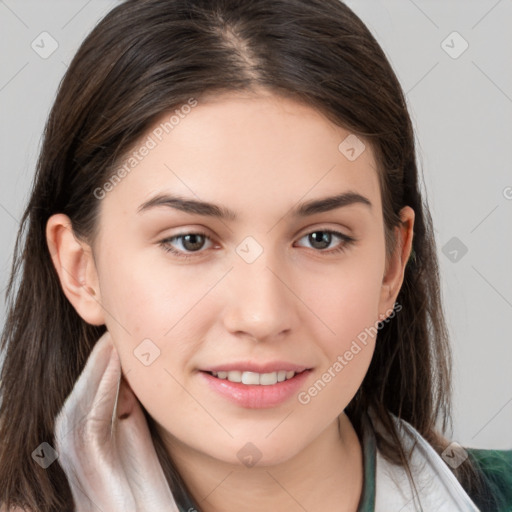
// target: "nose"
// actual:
[[261, 303]]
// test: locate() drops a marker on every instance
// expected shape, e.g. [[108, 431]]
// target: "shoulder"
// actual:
[[495, 468]]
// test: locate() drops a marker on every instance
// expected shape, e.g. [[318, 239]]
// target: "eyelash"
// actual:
[[347, 241]]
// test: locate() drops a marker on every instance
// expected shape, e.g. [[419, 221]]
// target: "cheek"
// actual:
[[157, 321], [351, 314], [145, 298], [346, 300]]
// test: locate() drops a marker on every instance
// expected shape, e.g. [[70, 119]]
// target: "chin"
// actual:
[[263, 453]]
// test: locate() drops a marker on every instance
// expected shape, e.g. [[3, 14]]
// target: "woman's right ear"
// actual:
[[74, 263]]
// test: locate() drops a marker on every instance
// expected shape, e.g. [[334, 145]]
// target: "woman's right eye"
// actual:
[[193, 240]]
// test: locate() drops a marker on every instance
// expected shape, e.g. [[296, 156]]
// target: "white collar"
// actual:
[[438, 488]]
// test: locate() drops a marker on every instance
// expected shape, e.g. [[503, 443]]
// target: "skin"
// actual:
[[259, 155]]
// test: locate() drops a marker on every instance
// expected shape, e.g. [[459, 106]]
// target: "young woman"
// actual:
[[225, 293]]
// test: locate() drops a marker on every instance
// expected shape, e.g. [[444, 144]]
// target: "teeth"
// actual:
[[250, 378], [253, 378], [234, 376]]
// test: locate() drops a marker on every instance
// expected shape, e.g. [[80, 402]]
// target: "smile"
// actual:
[[255, 390], [253, 378]]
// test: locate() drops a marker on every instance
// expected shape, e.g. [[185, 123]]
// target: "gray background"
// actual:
[[462, 111]]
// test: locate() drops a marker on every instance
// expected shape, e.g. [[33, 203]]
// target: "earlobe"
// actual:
[[395, 267], [76, 269]]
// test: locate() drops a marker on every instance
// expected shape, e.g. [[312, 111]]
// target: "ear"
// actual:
[[395, 265], [74, 263]]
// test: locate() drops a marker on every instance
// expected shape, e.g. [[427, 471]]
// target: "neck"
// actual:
[[327, 476]]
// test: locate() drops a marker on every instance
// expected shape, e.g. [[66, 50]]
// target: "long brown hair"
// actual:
[[150, 56]]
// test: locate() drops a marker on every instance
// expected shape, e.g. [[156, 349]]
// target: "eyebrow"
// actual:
[[213, 210]]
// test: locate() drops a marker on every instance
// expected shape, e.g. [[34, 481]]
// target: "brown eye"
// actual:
[[321, 239], [190, 242]]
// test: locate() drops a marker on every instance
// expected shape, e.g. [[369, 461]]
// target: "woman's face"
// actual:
[[271, 288]]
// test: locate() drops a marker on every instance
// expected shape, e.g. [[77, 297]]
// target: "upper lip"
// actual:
[[252, 366]]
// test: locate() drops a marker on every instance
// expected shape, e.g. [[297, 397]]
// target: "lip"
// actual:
[[252, 366], [256, 396]]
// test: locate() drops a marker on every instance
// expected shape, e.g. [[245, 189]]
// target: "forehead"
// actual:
[[247, 152]]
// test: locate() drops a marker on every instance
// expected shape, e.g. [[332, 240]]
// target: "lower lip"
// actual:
[[257, 396]]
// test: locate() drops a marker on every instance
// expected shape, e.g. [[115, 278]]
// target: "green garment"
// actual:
[[495, 467]]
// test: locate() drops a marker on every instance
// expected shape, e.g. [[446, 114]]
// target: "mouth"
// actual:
[[255, 378], [254, 390]]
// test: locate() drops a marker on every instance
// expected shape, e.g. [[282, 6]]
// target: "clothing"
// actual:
[[386, 487]]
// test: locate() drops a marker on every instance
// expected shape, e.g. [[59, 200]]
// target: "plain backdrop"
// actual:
[[454, 60]]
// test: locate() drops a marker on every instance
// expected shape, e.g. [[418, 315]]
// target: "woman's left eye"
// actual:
[[194, 241], [324, 237]]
